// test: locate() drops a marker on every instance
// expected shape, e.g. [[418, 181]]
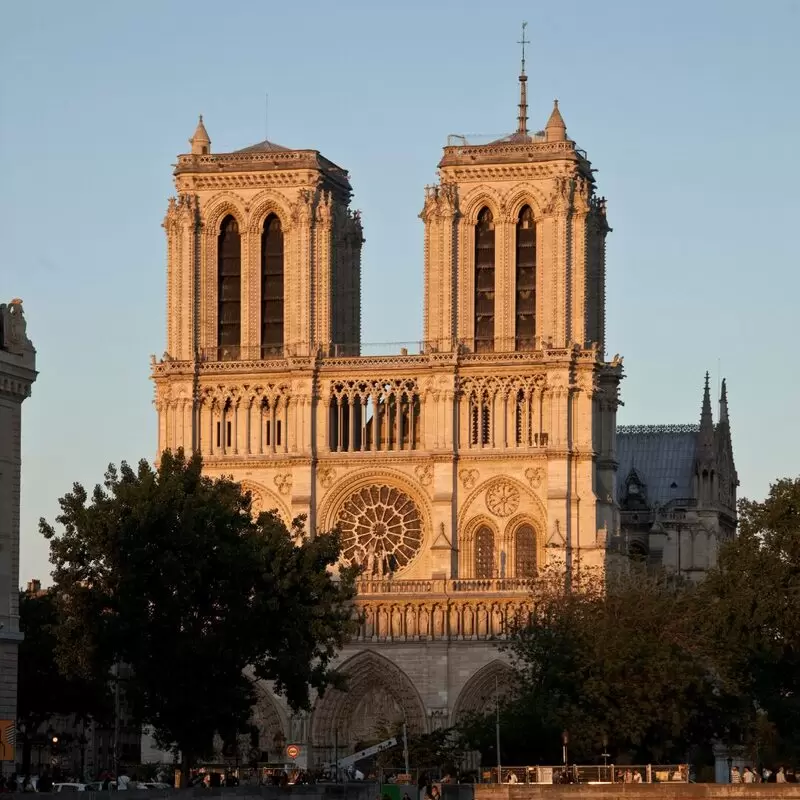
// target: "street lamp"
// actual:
[[564, 743], [605, 750]]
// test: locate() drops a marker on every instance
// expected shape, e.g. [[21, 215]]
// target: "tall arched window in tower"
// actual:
[[526, 280], [524, 552], [484, 552], [272, 287], [229, 290], [484, 282]]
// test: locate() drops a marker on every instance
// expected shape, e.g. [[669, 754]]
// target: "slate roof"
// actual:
[[264, 147], [663, 457]]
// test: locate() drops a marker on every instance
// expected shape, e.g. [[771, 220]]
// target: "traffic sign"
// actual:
[[293, 751]]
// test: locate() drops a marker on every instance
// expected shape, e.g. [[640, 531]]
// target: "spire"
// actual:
[[555, 130], [723, 403], [706, 435], [522, 118], [201, 144]]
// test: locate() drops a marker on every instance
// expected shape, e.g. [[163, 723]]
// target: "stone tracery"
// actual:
[[381, 529]]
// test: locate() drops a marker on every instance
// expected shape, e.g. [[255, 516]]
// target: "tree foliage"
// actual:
[[752, 620], [616, 662], [167, 572], [43, 689]]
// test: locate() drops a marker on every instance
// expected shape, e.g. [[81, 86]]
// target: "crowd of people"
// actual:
[[765, 775]]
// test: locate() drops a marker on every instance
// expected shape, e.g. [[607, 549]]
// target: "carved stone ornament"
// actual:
[[284, 482], [502, 499], [535, 476], [468, 477], [327, 475], [381, 529], [424, 473]]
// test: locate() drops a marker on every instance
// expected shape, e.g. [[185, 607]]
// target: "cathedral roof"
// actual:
[[264, 147], [662, 456]]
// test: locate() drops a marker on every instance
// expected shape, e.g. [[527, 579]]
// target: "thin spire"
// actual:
[[723, 403], [522, 119], [706, 436]]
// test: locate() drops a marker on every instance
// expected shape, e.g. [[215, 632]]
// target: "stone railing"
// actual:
[[446, 586], [441, 609]]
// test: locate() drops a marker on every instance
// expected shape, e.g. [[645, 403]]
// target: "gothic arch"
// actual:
[[466, 544], [266, 203], [268, 718], [343, 488], [479, 692], [477, 199], [265, 500], [474, 503], [521, 195], [221, 206], [510, 543], [378, 695]]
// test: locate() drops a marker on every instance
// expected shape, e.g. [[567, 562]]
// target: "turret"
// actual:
[[201, 144], [556, 128]]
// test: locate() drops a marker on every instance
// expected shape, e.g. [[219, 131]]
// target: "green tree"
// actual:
[[617, 660], [167, 572], [753, 621], [43, 689]]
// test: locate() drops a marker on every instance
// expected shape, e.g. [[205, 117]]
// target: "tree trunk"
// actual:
[[27, 747], [186, 766]]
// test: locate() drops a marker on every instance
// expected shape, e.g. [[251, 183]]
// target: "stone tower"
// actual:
[[454, 472], [17, 374]]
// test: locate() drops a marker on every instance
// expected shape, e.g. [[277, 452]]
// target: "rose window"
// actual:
[[381, 529]]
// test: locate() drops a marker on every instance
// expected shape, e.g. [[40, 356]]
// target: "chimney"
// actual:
[[34, 586]]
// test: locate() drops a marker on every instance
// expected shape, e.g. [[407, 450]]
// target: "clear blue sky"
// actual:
[[688, 109]]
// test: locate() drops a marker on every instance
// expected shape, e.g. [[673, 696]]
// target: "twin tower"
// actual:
[[453, 473]]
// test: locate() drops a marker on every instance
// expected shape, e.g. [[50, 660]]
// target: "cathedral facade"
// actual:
[[454, 472]]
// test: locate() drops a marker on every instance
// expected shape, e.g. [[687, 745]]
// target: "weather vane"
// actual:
[[523, 41]]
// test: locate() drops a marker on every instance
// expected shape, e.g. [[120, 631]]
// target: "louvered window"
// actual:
[[229, 290], [484, 553], [484, 282], [524, 552], [272, 288], [526, 280]]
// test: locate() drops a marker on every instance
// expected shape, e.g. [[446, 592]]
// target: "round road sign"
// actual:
[[292, 751]]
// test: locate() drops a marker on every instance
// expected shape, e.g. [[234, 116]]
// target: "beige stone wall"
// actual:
[[432, 445], [17, 373]]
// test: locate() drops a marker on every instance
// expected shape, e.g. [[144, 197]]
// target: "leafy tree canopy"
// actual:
[[167, 572], [752, 620], [617, 662]]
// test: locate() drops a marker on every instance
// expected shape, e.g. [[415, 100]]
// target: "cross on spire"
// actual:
[[522, 119], [523, 41]]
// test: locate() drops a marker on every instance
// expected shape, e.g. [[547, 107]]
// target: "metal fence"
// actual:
[[610, 773]]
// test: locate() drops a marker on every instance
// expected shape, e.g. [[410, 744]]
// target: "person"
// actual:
[[748, 776], [766, 774], [736, 776], [780, 775], [512, 777], [45, 782], [637, 776]]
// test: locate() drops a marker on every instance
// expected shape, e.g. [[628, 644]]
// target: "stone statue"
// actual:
[[13, 327]]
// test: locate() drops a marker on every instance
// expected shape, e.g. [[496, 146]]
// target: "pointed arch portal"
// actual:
[[479, 692], [378, 699]]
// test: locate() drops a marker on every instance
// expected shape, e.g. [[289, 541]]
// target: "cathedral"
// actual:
[[454, 472]]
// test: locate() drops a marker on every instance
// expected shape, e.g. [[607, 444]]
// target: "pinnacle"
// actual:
[[556, 129]]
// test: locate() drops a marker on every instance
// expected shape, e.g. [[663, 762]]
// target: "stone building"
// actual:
[[455, 470], [677, 490], [17, 374]]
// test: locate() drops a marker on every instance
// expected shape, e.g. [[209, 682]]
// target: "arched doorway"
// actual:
[[379, 697], [481, 691]]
